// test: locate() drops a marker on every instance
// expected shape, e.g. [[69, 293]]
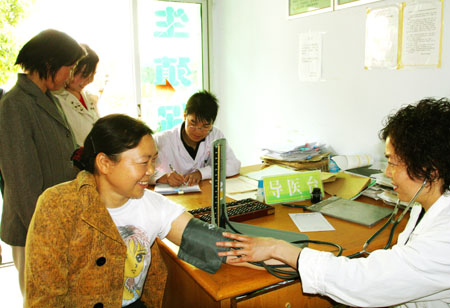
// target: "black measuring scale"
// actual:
[[219, 214]]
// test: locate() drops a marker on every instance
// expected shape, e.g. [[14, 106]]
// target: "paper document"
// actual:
[[345, 162], [310, 56], [311, 222], [422, 33], [269, 171], [241, 188], [241, 184], [166, 189], [243, 195], [382, 31]]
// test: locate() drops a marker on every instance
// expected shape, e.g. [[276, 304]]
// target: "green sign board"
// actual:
[[340, 2], [305, 6], [291, 187]]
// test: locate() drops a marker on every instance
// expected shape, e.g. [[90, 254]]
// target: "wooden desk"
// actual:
[[241, 287]]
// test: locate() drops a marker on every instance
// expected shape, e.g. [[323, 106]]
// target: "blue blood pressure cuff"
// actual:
[[198, 245]]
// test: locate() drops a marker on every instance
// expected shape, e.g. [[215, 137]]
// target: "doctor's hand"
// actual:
[[255, 249], [248, 249], [193, 178], [175, 179]]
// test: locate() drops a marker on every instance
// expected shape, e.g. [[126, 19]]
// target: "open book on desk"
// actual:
[[166, 189]]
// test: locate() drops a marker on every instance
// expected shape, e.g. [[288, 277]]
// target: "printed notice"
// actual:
[[422, 30], [310, 56], [382, 37]]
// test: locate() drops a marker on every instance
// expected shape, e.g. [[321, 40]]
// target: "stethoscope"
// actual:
[[392, 220], [277, 270]]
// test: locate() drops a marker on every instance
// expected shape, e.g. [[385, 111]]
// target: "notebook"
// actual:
[[353, 211]]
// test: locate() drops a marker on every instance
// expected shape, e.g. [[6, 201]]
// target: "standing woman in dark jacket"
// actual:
[[36, 141]]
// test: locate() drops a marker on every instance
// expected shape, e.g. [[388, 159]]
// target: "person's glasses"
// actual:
[[204, 128]]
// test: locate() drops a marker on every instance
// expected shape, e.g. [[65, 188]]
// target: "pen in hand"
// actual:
[[175, 179]]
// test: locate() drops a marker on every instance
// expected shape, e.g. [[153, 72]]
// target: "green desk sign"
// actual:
[[291, 187]]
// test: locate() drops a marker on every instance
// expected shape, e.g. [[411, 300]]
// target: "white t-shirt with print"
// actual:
[[139, 222]]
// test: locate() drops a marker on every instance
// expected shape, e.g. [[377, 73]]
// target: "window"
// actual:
[[171, 40], [153, 53]]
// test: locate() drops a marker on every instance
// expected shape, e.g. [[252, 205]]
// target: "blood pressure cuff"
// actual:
[[198, 245]]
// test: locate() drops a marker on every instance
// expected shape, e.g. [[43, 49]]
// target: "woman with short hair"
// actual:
[[416, 271], [90, 239], [36, 141]]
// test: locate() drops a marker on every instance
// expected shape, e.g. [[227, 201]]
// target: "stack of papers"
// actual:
[[299, 153], [382, 188], [382, 180]]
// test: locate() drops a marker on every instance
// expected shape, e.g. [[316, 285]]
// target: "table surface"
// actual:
[[231, 281]]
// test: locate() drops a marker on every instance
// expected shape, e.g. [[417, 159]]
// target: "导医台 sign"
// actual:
[[291, 187]]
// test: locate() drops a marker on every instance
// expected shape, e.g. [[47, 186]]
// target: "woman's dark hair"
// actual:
[[88, 64], [203, 105], [47, 52], [420, 135], [112, 135]]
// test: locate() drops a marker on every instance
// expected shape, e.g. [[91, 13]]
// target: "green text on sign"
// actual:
[[291, 187]]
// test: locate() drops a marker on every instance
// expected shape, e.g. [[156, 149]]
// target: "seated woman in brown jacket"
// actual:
[[89, 242]]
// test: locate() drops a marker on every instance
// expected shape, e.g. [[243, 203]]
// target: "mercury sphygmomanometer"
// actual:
[[219, 214]]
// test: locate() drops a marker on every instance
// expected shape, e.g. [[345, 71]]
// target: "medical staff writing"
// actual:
[[184, 151]]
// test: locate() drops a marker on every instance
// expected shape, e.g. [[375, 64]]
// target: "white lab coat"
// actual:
[[80, 119], [171, 151], [414, 273]]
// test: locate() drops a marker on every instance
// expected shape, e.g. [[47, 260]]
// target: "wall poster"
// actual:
[[382, 37], [422, 33]]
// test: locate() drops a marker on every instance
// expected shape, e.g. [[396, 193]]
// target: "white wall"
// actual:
[[262, 102]]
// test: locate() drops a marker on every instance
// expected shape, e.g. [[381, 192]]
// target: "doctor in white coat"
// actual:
[[184, 151], [416, 271]]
